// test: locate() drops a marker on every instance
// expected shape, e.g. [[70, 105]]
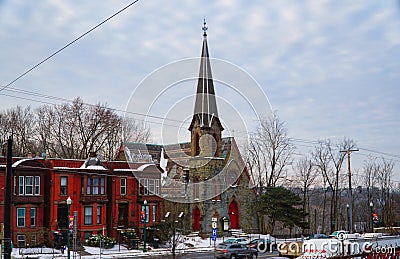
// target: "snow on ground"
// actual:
[[192, 243], [119, 251]]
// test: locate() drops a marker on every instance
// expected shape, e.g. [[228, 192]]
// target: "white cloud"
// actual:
[[321, 62]]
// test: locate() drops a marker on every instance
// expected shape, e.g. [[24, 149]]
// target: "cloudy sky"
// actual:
[[330, 68]]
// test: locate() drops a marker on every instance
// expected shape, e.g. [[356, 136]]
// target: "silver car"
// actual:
[[235, 251]]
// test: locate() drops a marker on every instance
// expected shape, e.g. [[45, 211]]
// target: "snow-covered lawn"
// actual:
[[192, 243], [189, 243]]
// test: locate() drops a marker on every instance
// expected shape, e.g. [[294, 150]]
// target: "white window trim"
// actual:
[[21, 185], [87, 215], [99, 214], [24, 217], [36, 185], [66, 184], [29, 185], [157, 186], [34, 216], [146, 185], [151, 186], [123, 186], [23, 239]]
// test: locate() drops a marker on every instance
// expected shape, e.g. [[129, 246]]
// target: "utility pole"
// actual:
[[348, 152], [7, 202]]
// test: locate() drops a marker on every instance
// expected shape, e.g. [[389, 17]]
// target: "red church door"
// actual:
[[233, 212], [196, 219]]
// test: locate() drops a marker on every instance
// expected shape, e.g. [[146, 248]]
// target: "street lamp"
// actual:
[[69, 202], [371, 205], [144, 224]]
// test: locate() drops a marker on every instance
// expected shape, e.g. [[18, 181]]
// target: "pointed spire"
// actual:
[[205, 108]]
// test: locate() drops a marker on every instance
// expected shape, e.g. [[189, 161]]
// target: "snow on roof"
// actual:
[[123, 170], [142, 167], [93, 167], [21, 161]]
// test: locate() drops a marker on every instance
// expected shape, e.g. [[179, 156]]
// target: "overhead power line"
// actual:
[[69, 44], [300, 142]]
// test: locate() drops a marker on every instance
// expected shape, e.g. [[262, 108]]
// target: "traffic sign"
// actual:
[[214, 224], [214, 234]]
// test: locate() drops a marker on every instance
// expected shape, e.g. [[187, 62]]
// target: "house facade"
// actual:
[[106, 198]]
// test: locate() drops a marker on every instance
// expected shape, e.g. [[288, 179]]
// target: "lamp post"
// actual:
[[144, 225], [69, 202], [371, 205]]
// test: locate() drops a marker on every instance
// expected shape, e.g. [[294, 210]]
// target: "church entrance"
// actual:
[[196, 219], [233, 213]]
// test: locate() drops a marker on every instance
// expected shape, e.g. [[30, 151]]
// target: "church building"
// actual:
[[217, 186]]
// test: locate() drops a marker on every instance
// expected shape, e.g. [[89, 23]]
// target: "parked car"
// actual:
[[339, 234], [235, 240], [317, 236], [262, 244], [235, 251]]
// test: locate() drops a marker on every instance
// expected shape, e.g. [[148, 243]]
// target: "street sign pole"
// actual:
[[214, 231]]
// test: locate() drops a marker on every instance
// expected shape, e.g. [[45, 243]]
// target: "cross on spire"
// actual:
[[204, 28]]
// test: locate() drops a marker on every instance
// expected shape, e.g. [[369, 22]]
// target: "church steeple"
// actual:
[[205, 117]]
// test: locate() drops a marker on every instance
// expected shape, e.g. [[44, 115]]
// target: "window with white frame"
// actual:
[[33, 240], [95, 185], [28, 185], [37, 185], [146, 186], [96, 182], [21, 240], [102, 185], [33, 217], [63, 185], [151, 186], [21, 185], [157, 186], [89, 185], [21, 217], [88, 218], [123, 186], [99, 214]]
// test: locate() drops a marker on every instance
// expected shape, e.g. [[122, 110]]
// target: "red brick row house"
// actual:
[[106, 196]]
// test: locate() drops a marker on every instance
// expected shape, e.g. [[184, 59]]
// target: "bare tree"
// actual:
[[271, 151], [329, 162], [19, 123], [133, 131], [306, 176], [384, 177]]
